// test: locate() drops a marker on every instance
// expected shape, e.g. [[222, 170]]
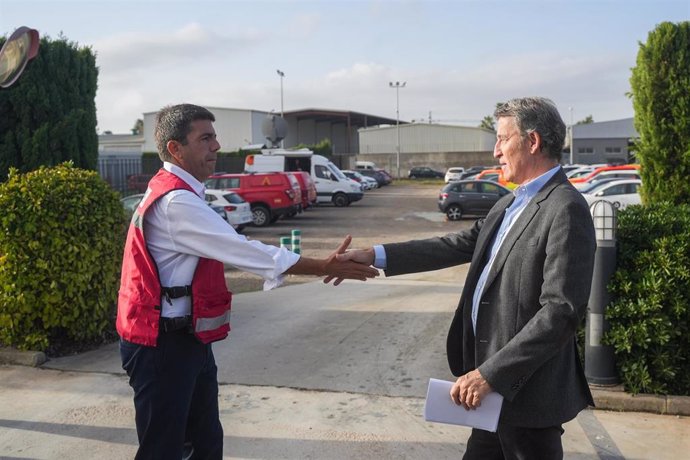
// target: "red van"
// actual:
[[308, 188], [270, 195]]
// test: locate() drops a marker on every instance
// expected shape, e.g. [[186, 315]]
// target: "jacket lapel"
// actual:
[[520, 225]]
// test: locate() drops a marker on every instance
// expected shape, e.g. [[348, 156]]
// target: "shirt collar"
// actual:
[[198, 187], [528, 190]]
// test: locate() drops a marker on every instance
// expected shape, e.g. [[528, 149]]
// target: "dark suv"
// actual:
[[473, 197], [270, 194], [425, 171]]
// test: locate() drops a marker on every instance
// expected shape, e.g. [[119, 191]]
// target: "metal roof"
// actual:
[[340, 116], [615, 129]]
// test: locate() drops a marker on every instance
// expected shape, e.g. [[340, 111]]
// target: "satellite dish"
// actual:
[[21, 47], [274, 129]]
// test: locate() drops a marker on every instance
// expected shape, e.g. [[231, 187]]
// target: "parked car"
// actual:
[[469, 197], [424, 172], [495, 175], [270, 195], [368, 183], [381, 176], [606, 169], [237, 212], [138, 182], [619, 192], [473, 171], [131, 202], [604, 175], [453, 173]]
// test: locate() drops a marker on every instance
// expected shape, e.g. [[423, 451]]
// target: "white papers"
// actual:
[[440, 408]]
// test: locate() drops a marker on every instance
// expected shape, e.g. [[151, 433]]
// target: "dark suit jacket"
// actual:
[[533, 301]]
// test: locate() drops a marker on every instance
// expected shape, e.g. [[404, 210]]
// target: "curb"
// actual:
[[616, 399], [605, 397], [22, 358]]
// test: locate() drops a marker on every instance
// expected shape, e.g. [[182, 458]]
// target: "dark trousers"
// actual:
[[175, 397], [515, 443]]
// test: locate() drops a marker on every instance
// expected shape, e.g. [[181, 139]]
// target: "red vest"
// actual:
[[138, 306]]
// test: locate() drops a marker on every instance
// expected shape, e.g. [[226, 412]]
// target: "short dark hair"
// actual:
[[537, 114], [174, 123]]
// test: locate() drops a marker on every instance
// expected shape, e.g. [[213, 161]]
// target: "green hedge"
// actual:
[[650, 313], [61, 242]]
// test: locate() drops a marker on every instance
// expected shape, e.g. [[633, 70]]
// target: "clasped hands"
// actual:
[[354, 264]]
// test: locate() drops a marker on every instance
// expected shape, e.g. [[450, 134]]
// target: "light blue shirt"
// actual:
[[523, 195]]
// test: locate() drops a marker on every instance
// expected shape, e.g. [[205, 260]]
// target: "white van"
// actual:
[[370, 165], [331, 184]]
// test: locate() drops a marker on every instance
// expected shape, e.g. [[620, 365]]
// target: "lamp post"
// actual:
[[397, 85], [572, 151], [600, 365], [282, 75]]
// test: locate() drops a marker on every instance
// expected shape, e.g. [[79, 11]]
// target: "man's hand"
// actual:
[[363, 257], [343, 265], [469, 390]]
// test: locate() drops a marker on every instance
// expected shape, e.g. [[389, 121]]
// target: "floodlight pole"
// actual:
[[282, 75], [397, 85], [572, 152]]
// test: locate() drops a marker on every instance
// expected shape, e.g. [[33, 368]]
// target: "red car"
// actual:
[[270, 195]]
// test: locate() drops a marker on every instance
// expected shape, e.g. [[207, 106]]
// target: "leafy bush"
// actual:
[[650, 313], [61, 242]]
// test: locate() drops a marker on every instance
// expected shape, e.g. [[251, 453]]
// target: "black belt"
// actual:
[[176, 324], [175, 292]]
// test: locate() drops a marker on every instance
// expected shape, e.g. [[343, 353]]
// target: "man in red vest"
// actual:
[[173, 301]]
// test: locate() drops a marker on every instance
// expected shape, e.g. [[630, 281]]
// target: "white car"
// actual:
[[238, 212], [453, 174], [619, 192]]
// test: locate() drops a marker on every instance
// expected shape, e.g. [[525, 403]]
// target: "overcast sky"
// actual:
[[458, 58]]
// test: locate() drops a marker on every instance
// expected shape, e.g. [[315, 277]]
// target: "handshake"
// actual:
[[356, 262]]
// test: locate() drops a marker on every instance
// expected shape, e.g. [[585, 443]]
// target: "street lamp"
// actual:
[[397, 85], [282, 75]]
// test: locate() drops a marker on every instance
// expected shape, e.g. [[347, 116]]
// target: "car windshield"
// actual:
[[593, 186]]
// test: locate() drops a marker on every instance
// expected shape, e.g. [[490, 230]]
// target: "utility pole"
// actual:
[[397, 85], [282, 75], [572, 147]]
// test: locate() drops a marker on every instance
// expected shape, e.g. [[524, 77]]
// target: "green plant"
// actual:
[[650, 313], [660, 89], [49, 115], [61, 242]]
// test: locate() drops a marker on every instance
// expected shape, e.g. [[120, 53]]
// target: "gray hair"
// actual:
[[537, 114], [174, 123]]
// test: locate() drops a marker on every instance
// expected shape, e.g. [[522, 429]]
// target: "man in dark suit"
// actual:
[[525, 294]]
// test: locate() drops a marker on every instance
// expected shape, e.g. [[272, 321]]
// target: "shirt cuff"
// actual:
[[379, 257]]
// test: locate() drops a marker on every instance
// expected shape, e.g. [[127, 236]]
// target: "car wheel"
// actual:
[[340, 200], [261, 216], [454, 212]]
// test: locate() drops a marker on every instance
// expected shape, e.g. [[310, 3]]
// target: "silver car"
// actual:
[[619, 192]]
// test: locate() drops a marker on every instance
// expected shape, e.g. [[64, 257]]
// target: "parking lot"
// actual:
[[389, 214]]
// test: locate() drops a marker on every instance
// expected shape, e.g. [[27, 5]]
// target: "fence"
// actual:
[[116, 170]]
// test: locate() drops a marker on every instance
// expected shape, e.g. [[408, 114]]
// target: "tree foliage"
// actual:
[[488, 123], [49, 114], [585, 121], [660, 85]]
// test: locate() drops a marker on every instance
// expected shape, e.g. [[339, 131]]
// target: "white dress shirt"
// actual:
[[180, 227]]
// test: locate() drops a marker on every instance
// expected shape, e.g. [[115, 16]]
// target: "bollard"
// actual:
[[297, 241], [285, 242], [600, 366]]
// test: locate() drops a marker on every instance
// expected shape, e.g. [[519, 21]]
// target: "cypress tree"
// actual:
[[660, 86], [49, 114]]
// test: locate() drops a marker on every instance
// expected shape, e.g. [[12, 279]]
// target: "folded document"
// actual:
[[440, 408]]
